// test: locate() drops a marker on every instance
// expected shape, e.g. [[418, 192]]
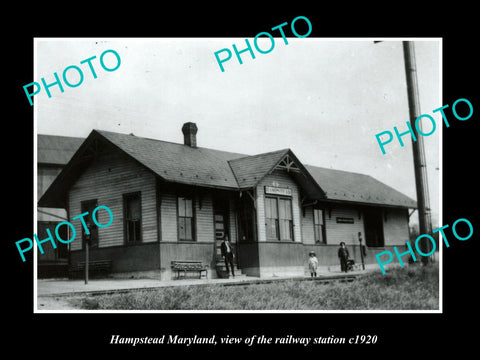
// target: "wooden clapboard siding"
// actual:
[[45, 176], [233, 219], [308, 234], [283, 180], [204, 218], [395, 226], [335, 232], [348, 233], [204, 231], [260, 203], [169, 216], [106, 179]]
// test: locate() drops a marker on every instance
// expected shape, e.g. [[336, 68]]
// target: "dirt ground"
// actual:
[[59, 303]]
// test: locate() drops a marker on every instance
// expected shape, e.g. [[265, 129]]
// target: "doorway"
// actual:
[[373, 223], [220, 215]]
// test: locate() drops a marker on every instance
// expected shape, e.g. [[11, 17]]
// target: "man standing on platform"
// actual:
[[344, 256], [227, 253]]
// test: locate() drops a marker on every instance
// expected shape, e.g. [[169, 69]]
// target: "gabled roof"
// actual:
[[249, 170], [177, 162], [354, 187], [204, 167], [56, 150]]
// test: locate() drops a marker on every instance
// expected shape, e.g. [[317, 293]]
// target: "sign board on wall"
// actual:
[[272, 190], [344, 220]]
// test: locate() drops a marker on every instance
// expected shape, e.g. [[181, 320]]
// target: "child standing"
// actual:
[[313, 264]]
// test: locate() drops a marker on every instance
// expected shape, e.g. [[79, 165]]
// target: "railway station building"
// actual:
[[174, 201]]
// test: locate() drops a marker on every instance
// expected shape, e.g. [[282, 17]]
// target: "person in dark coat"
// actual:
[[343, 256], [227, 254]]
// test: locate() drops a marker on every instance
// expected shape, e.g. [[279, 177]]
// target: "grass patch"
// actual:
[[413, 287]]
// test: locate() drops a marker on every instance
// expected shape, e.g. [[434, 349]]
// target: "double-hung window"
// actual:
[[319, 226], [271, 218], [278, 218], [186, 228], [133, 218], [285, 218]]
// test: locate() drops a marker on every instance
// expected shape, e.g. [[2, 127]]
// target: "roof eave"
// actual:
[[363, 203], [209, 186]]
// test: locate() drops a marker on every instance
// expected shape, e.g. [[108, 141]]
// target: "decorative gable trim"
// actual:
[[287, 164]]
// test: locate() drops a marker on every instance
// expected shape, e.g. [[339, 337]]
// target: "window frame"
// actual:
[[126, 232], [322, 227], [278, 227], [276, 220], [193, 218]]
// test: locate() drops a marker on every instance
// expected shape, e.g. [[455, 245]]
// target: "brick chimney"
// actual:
[[189, 130]]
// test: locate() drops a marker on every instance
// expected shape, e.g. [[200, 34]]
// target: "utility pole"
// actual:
[[419, 162]]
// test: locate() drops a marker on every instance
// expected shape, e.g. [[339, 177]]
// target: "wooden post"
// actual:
[[361, 249], [87, 245]]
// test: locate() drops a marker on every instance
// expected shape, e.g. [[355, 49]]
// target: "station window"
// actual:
[[186, 224], [319, 226], [278, 218], [133, 218]]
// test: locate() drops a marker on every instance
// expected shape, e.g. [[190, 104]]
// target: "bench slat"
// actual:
[[188, 265]]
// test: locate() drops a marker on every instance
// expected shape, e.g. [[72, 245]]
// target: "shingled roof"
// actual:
[[249, 170], [177, 162], [199, 166], [354, 187], [56, 150]]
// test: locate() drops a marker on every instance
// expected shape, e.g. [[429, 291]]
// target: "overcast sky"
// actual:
[[323, 98]]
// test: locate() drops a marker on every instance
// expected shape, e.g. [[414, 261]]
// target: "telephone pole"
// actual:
[[419, 162]]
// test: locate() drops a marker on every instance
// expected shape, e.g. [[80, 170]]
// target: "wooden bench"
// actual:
[[95, 267], [190, 266]]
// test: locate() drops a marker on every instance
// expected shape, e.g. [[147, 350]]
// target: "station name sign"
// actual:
[[344, 220], [272, 190]]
